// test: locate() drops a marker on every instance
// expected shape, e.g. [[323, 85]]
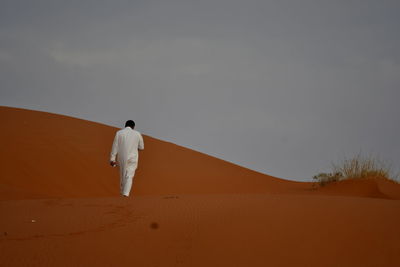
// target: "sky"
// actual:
[[282, 87]]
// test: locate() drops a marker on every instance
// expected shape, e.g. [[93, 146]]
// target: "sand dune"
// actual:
[[48, 155], [59, 206]]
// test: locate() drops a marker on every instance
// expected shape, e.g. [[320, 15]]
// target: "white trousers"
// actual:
[[126, 173]]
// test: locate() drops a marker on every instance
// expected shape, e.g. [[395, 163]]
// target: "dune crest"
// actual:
[[50, 155], [47, 155]]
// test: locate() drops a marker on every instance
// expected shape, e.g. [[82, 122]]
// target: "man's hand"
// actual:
[[113, 163]]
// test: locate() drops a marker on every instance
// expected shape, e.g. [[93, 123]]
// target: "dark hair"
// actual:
[[130, 123]]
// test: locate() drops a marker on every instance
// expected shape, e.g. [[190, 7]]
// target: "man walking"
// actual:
[[127, 141]]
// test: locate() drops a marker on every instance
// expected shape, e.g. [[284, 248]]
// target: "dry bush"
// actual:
[[326, 178], [357, 167]]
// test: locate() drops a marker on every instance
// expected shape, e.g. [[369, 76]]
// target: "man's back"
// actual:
[[126, 144]]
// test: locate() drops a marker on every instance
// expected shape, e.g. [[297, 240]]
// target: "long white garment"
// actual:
[[125, 148]]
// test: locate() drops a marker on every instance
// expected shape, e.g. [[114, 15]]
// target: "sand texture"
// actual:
[[60, 206]]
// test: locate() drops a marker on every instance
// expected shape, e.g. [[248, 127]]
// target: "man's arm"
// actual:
[[114, 151], [141, 143]]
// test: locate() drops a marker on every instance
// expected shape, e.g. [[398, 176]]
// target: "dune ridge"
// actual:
[[49, 155]]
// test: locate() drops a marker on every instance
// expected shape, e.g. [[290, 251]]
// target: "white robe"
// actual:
[[125, 148]]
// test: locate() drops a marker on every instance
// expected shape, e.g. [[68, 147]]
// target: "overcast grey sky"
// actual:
[[281, 87]]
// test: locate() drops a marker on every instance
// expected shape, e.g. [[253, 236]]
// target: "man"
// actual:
[[127, 141]]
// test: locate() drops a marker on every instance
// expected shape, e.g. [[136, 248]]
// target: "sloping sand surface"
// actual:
[[48, 155], [60, 206]]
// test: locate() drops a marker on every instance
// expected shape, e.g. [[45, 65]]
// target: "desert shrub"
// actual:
[[357, 167], [326, 178], [363, 167]]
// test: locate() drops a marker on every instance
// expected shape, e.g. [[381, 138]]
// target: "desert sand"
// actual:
[[60, 206]]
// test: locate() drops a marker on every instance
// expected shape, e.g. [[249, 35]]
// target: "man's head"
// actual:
[[130, 123]]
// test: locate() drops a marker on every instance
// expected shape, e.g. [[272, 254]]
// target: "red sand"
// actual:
[[187, 209]]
